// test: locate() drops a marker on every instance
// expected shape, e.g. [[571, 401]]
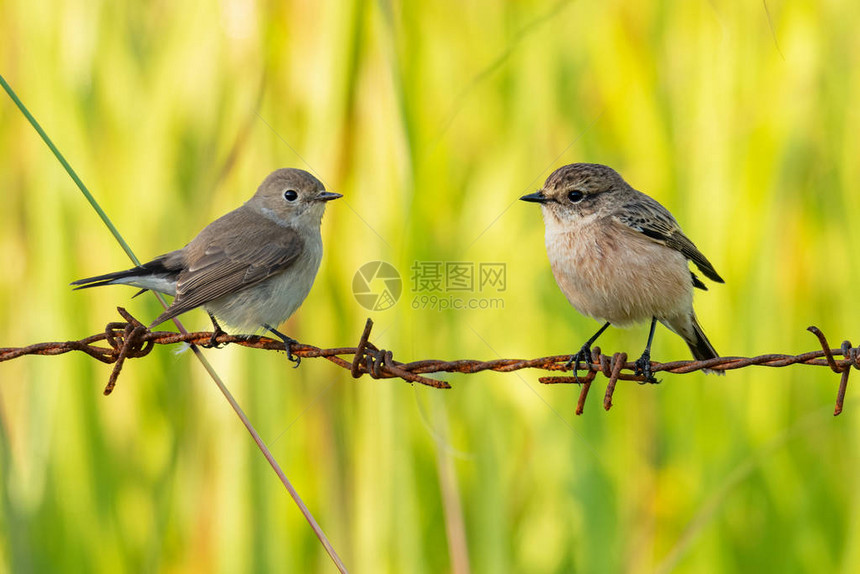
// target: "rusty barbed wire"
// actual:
[[130, 339]]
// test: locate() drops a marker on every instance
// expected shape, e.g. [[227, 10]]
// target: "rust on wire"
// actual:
[[380, 364], [851, 359], [618, 361], [130, 339]]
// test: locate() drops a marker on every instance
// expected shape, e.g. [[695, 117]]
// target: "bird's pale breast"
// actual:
[[275, 299], [617, 275]]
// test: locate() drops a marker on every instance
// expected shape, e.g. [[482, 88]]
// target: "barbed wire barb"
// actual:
[[130, 339]]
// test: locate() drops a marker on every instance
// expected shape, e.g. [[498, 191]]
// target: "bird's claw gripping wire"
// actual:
[[583, 355], [643, 367], [288, 345], [213, 340]]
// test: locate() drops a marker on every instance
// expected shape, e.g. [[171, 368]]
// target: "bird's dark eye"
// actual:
[[575, 196], [291, 195]]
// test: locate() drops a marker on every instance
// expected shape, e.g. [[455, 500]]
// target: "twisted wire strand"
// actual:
[[130, 339]]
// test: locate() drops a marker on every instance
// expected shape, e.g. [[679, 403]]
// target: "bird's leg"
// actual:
[[288, 345], [643, 363], [584, 354], [216, 331]]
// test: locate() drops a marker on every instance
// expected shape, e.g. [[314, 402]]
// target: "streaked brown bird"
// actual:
[[620, 257]]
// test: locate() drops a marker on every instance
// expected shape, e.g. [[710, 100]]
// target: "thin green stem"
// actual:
[[70, 171]]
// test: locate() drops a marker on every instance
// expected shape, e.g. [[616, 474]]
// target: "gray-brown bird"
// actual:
[[251, 268], [620, 257]]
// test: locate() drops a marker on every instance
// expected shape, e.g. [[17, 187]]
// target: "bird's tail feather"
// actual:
[[700, 346], [687, 326], [109, 278], [157, 275]]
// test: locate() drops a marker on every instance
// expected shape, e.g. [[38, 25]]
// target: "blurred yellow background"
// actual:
[[431, 119]]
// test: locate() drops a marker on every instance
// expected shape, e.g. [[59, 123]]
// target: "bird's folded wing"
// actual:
[[652, 220], [226, 266]]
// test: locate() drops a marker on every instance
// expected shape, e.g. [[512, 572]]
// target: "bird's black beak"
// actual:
[[536, 197], [328, 196]]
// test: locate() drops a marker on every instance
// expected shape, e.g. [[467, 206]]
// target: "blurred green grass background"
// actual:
[[431, 119]]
